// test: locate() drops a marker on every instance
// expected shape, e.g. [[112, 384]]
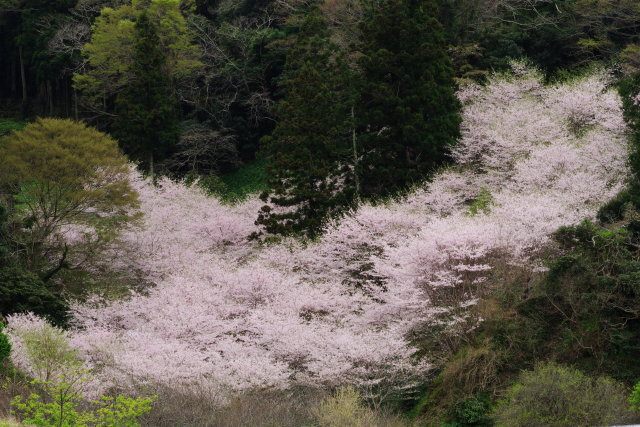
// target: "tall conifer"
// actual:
[[408, 112], [146, 123], [309, 174]]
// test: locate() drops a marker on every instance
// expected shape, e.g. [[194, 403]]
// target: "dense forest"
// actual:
[[319, 212]]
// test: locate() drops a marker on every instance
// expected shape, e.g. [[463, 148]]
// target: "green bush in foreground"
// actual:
[[635, 398], [64, 407], [347, 408], [554, 395]]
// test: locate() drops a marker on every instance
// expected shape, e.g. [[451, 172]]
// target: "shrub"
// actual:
[[475, 411], [62, 407], [635, 398], [346, 408], [554, 395]]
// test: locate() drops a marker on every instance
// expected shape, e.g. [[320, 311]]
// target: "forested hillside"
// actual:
[[331, 213]]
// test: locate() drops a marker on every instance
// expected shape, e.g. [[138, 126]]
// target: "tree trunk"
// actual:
[[50, 97], [151, 166], [75, 104], [23, 76], [356, 179], [14, 80]]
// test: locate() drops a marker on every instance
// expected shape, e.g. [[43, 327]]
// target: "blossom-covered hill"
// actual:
[[231, 314]]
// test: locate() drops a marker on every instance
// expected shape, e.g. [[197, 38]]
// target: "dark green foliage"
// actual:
[[22, 292], [245, 65], [9, 125], [593, 298], [584, 311], [475, 411], [408, 113], [554, 395], [307, 172], [616, 208], [5, 346], [146, 122], [554, 35], [27, 27], [635, 398], [249, 179], [629, 89]]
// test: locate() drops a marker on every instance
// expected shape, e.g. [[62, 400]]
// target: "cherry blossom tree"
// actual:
[[231, 314]]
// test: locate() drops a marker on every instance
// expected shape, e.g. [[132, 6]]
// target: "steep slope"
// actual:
[[230, 315]]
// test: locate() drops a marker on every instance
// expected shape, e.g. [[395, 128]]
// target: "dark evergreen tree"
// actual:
[[147, 123], [310, 151], [408, 113]]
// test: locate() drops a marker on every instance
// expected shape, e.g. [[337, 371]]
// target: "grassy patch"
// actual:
[[8, 125], [249, 179]]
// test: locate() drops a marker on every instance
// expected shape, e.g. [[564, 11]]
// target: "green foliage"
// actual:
[[593, 297], [9, 125], [309, 151], [585, 310], [629, 89], [634, 399], [346, 408], [146, 122], [63, 172], [620, 207], [5, 346], [553, 395], [475, 411], [5, 244], [113, 45], [482, 203], [243, 60], [408, 113], [559, 35], [48, 352], [342, 409], [64, 407], [236, 186], [249, 179], [214, 186], [23, 292]]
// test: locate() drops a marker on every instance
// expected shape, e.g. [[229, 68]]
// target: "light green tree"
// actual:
[[111, 52], [60, 173]]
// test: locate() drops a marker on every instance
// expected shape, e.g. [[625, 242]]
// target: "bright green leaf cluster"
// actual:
[[64, 408], [111, 51]]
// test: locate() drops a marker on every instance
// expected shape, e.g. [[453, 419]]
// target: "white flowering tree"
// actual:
[[229, 314]]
